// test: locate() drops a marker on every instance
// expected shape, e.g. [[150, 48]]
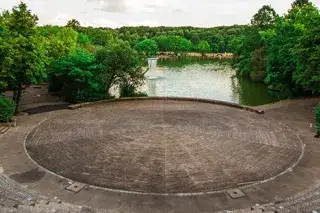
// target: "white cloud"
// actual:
[[114, 13]]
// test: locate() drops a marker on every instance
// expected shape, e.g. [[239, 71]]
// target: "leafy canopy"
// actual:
[[118, 63], [147, 47], [204, 47]]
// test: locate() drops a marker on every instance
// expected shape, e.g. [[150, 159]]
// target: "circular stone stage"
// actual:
[[164, 146]]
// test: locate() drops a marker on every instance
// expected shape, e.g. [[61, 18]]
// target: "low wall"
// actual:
[[223, 103]]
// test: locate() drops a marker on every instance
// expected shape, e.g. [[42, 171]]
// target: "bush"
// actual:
[[7, 109], [129, 90], [258, 76], [318, 119], [86, 94]]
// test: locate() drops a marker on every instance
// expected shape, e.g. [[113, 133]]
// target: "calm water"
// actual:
[[206, 79]]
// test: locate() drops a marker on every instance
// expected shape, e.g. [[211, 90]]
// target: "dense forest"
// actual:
[[83, 63]]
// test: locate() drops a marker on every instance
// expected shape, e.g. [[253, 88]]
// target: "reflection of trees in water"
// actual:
[[182, 62], [152, 87], [252, 93], [235, 89]]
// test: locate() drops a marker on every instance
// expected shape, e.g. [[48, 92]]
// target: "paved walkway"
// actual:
[[287, 193]]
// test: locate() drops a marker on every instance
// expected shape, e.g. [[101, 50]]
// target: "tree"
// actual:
[[75, 76], [301, 3], [22, 51], [73, 23], [99, 36], [118, 64], [176, 44], [265, 18], [195, 39], [83, 39], [307, 50], [147, 47], [280, 60], [61, 41], [204, 47]]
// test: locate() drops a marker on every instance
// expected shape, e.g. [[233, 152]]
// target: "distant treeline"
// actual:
[[219, 38]]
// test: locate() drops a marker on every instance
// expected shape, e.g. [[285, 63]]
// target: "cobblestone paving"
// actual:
[[299, 189], [164, 146]]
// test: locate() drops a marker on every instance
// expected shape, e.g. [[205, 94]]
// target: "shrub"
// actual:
[[258, 76], [318, 119], [7, 109], [86, 94], [129, 90]]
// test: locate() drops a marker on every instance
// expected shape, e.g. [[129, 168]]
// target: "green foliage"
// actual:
[[307, 51], [219, 38], [74, 76], [7, 109], [83, 77], [246, 48], [301, 3], [83, 39], [147, 47], [286, 50], [318, 118], [204, 47], [293, 52], [73, 23], [265, 17], [129, 90], [98, 36], [117, 64], [60, 41], [258, 75], [22, 51], [176, 44], [258, 62], [280, 60]]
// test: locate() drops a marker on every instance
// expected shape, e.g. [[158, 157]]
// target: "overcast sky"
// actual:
[[116, 13]]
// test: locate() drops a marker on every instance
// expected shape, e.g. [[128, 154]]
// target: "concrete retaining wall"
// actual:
[[223, 103]]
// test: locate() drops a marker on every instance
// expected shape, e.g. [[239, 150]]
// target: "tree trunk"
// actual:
[[18, 99], [109, 84], [14, 97]]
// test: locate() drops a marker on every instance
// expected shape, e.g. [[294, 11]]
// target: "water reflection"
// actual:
[[206, 79]]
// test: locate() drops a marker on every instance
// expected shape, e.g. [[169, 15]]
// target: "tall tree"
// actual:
[[118, 64], [307, 50], [22, 51], [73, 23], [300, 3], [265, 17]]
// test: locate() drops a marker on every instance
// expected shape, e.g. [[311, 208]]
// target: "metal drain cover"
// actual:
[[76, 187], [236, 193]]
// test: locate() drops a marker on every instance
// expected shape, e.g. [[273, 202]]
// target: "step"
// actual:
[[3, 129]]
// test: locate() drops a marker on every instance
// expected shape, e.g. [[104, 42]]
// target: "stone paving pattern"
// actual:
[[297, 191], [164, 146]]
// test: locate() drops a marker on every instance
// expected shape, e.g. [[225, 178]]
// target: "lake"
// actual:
[[200, 78]]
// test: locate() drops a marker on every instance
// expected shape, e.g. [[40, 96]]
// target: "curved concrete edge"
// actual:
[[240, 186], [200, 100]]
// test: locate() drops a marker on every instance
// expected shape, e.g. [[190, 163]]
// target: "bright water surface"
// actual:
[[206, 79]]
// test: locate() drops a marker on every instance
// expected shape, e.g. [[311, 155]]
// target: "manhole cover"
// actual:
[[236, 193], [76, 187]]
